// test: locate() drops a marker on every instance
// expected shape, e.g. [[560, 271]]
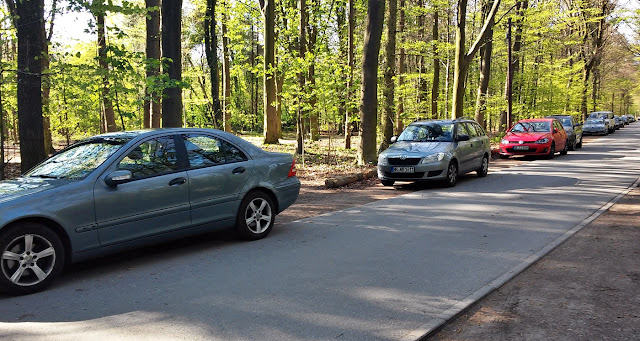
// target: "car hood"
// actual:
[[528, 136], [23, 186], [417, 148]]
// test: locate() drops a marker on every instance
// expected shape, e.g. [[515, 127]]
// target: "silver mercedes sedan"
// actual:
[[122, 190]]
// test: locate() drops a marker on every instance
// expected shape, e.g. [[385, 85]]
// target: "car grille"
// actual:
[[404, 175], [410, 161]]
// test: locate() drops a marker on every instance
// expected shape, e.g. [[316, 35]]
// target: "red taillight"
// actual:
[[292, 170]]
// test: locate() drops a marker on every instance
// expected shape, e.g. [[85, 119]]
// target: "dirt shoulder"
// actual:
[[586, 289]]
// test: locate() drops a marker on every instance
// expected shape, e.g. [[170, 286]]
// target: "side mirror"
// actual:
[[118, 177], [555, 131], [394, 139], [463, 137]]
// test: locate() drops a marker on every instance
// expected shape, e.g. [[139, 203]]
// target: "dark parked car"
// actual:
[[573, 129], [619, 122], [127, 189], [435, 150]]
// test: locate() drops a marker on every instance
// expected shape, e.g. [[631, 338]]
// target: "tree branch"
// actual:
[[484, 31]]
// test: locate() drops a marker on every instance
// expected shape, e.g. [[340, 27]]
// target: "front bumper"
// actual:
[[533, 149], [589, 131], [421, 172]]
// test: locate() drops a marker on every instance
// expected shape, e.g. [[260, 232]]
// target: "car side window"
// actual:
[[462, 129], [471, 129], [232, 153], [152, 157], [204, 151], [479, 129]]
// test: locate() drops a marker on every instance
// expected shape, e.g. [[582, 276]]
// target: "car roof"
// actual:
[[601, 112], [537, 120], [442, 121]]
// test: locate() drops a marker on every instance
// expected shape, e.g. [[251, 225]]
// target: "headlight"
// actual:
[[541, 141], [432, 158], [504, 141], [383, 161]]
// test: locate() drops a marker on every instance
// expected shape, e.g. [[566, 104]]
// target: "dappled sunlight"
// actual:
[[132, 325]]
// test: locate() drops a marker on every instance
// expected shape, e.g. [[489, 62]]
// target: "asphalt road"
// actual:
[[389, 270]]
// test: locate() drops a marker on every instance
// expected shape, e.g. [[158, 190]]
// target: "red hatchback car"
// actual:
[[542, 136]]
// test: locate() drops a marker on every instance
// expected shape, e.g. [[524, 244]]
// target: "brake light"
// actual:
[[292, 170]]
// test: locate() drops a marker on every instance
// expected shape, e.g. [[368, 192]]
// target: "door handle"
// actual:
[[238, 170], [177, 181]]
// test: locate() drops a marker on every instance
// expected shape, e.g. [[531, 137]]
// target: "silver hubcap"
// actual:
[[485, 165], [258, 215], [28, 260]]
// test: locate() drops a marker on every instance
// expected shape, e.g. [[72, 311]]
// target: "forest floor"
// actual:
[[587, 288]]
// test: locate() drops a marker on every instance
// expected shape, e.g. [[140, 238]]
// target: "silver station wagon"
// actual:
[[436, 150], [122, 190]]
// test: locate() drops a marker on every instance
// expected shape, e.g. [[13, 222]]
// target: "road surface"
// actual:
[[389, 270]]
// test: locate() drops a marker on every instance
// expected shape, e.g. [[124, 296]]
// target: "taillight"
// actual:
[[292, 170]]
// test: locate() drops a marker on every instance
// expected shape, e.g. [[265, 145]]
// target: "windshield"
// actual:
[[428, 132], [524, 127], [78, 161], [595, 121], [566, 122]]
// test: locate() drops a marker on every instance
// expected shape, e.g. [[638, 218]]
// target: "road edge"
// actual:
[[432, 325]]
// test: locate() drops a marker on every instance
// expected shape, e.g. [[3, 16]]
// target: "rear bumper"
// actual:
[[287, 193]]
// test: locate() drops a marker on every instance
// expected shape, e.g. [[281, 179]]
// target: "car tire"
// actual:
[[484, 167], [452, 174], [579, 144], [552, 151], [574, 145], [256, 216], [31, 256], [387, 182], [566, 148]]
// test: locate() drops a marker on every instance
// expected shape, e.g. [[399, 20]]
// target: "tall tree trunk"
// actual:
[[302, 41], [30, 15], [152, 106], [226, 73], [369, 97], [270, 116], [435, 86], [485, 69], [462, 59], [46, 86], [109, 114], [351, 19], [402, 57], [423, 85], [314, 124], [2, 164], [211, 50], [172, 52], [389, 73]]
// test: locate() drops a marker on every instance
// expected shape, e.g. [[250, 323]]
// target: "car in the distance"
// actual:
[[595, 126], [127, 189], [631, 118], [539, 136], [619, 122], [435, 150], [607, 116], [573, 129]]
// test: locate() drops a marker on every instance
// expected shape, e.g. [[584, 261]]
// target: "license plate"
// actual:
[[520, 147], [402, 169]]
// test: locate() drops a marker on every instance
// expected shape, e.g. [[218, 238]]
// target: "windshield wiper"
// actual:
[[46, 176]]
